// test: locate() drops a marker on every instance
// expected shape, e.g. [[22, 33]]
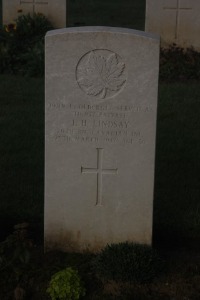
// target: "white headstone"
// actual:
[[101, 99], [177, 21], [55, 11]]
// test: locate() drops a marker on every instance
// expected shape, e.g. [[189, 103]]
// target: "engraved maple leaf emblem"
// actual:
[[100, 74]]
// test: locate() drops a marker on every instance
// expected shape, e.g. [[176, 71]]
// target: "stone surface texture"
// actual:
[[55, 11], [100, 115], [176, 21]]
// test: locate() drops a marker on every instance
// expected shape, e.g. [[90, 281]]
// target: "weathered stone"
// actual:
[[101, 99], [177, 21], [55, 11]]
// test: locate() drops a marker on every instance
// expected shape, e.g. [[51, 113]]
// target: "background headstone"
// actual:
[[176, 21], [55, 11], [101, 99]]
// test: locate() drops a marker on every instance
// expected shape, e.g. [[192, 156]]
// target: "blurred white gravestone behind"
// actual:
[[55, 11], [176, 21]]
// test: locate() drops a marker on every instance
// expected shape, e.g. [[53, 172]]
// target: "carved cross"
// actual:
[[100, 172], [177, 8], [34, 3]]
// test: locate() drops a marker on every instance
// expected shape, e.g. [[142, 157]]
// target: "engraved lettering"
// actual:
[[87, 123], [79, 122], [110, 124]]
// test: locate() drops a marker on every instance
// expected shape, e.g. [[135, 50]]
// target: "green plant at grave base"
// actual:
[[15, 251], [128, 262], [66, 285], [22, 45], [32, 27], [179, 64]]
